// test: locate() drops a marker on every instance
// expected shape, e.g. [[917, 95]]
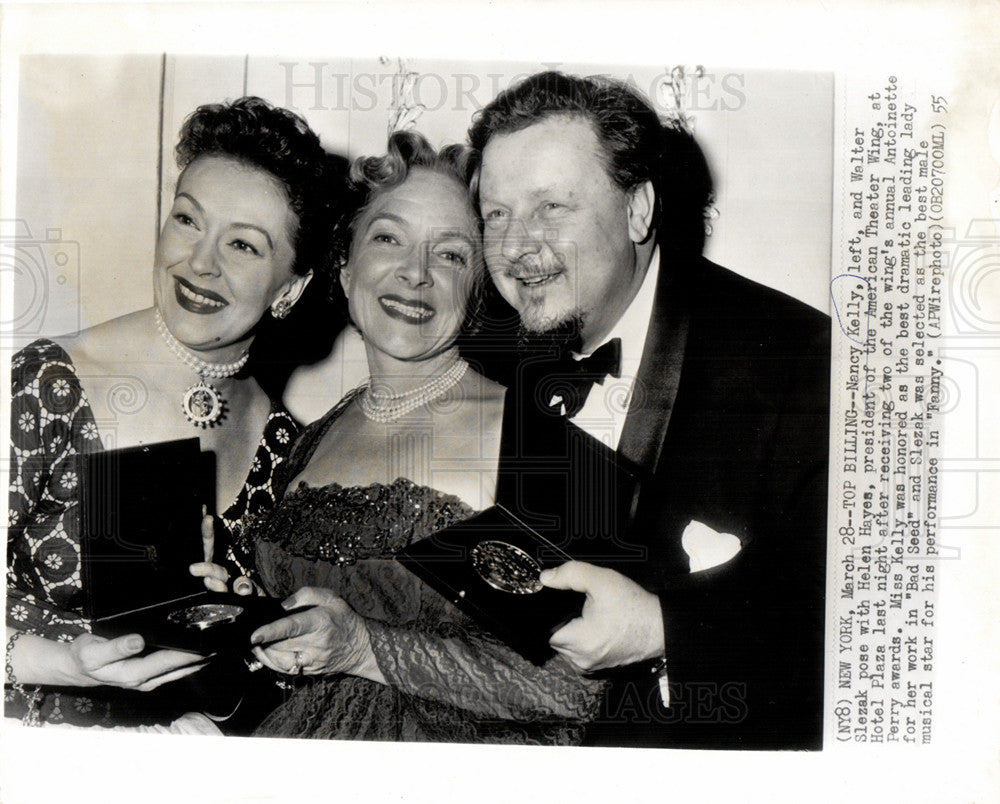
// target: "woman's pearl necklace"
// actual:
[[203, 405], [383, 407], [217, 371]]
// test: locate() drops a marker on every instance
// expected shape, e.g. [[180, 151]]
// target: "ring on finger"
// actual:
[[296, 667]]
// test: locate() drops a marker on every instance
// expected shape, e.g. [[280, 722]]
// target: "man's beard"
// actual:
[[564, 336]]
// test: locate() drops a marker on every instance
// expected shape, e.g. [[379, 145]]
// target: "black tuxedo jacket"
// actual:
[[729, 426]]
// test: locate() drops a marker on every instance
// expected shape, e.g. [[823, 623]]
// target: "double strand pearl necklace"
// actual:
[[203, 405], [383, 407]]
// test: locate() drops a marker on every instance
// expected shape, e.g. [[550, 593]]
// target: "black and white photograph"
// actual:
[[371, 404]]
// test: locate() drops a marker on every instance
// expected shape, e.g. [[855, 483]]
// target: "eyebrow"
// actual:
[[238, 224], [390, 216], [255, 228], [446, 234], [454, 235], [533, 194]]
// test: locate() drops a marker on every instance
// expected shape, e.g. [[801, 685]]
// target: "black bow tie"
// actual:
[[577, 376]]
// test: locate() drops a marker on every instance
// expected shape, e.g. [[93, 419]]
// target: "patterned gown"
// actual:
[[447, 679], [52, 422]]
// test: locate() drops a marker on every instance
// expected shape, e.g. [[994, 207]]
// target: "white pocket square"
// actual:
[[707, 548]]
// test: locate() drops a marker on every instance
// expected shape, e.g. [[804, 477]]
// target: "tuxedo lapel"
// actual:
[[532, 440], [566, 484], [659, 376]]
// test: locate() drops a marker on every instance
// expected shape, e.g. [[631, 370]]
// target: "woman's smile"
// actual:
[[226, 247], [196, 299], [411, 311], [412, 265]]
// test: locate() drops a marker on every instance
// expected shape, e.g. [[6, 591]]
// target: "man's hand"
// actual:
[[621, 622]]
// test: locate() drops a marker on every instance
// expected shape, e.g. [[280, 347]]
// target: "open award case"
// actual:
[[564, 497], [140, 518], [488, 566]]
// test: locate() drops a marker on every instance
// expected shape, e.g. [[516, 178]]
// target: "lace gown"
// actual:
[[51, 423], [447, 679]]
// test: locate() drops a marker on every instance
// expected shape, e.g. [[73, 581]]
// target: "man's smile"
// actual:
[[535, 280]]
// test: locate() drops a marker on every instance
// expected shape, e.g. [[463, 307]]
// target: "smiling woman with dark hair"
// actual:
[[250, 225]]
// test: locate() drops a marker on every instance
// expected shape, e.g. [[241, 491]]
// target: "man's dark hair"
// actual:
[[637, 146]]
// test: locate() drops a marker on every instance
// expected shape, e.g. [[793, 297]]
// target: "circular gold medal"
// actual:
[[506, 567], [206, 615]]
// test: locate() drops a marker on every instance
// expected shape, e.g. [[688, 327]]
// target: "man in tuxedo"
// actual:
[[711, 388]]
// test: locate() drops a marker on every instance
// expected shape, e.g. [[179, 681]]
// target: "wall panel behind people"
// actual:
[[88, 143], [188, 82]]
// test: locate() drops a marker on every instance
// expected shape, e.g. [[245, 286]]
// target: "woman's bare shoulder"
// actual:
[[483, 389], [480, 407], [110, 343]]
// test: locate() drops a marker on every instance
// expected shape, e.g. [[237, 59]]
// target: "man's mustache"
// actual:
[[534, 264]]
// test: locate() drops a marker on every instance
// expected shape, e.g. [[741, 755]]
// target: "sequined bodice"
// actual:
[[344, 539], [344, 524]]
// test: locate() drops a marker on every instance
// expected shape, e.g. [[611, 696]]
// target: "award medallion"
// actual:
[[205, 616], [506, 567]]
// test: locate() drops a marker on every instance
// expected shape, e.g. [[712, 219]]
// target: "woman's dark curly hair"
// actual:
[[280, 143], [370, 176]]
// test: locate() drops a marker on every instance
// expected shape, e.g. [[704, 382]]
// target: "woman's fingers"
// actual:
[[153, 683], [267, 659], [216, 578], [207, 534], [145, 668], [289, 627], [289, 640], [288, 658], [113, 661], [95, 652]]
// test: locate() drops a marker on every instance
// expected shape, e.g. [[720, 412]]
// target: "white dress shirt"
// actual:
[[603, 414]]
